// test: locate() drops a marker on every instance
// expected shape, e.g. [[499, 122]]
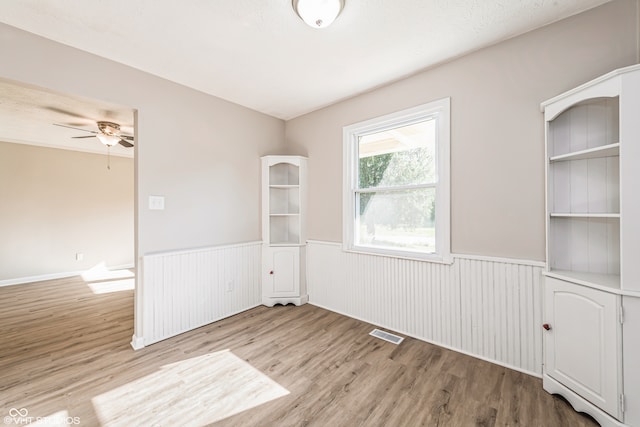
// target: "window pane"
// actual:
[[400, 156], [397, 220]]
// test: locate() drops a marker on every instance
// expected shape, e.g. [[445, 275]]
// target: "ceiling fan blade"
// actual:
[[71, 127], [127, 137], [68, 113], [86, 136], [125, 143]]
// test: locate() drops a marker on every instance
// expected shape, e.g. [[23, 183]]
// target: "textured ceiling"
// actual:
[[259, 54], [27, 115]]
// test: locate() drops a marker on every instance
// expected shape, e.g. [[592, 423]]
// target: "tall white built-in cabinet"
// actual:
[[592, 280], [284, 180]]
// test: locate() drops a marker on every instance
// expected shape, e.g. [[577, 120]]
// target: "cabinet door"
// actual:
[[283, 272], [582, 344]]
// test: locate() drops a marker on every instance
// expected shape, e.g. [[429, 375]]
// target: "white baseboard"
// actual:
[[123, 267], [137, 342], [439, 344], [39, 278], [490, 308], [579, 403], [52, 276], [222, 281], [189, 328]]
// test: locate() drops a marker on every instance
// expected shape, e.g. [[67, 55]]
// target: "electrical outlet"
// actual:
[[156, 203], [230, 286], [79, 256]]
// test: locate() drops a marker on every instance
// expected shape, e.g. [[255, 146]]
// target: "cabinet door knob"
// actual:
[[271, 272], [547, 327]]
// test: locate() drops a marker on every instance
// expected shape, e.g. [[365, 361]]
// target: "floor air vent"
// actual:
[[394, 339]]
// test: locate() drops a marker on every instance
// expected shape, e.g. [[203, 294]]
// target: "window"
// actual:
[[396, 184]]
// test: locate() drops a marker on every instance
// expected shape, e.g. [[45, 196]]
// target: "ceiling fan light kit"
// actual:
[[108, 133], [318, 13], [108, 140]]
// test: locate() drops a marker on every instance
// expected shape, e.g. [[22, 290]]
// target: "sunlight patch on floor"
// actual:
[[112, 286], [195, 391], [101, 272], [101, 280]]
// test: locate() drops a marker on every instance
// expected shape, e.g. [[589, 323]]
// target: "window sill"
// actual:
[[408, 256]]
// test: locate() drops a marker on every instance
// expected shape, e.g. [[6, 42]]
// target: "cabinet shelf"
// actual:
[[284, 182], [283, 174], [593, 280], [283, 200], [583, 193], [610, 150], [583, 215]]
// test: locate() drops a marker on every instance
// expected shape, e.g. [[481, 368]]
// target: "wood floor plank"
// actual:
[[65, 348]]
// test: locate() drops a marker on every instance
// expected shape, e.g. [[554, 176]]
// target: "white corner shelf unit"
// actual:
[[592, 281], [283, 230]]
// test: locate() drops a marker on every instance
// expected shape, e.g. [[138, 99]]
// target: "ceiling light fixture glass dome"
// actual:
[[108, 140], [318, 13]]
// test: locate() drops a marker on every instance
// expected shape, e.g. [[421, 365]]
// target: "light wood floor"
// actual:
[[65, 353]]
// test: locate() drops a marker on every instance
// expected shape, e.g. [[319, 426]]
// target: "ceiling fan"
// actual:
[[108, 133]]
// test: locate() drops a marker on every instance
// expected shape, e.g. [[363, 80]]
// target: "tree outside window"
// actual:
[[396, 184]]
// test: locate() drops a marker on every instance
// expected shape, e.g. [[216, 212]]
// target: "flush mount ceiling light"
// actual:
[[318, 13]]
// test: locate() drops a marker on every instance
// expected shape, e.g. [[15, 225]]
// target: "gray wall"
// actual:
[[497, 135], [56, 203], [200, 152]]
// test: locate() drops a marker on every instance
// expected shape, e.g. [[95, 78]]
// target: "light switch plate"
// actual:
[[156, 203]]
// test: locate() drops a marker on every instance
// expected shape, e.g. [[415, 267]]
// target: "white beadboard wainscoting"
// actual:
[[490, 308], [187, 289]]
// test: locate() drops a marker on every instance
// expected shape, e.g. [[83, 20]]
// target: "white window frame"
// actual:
[[438, 110]]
